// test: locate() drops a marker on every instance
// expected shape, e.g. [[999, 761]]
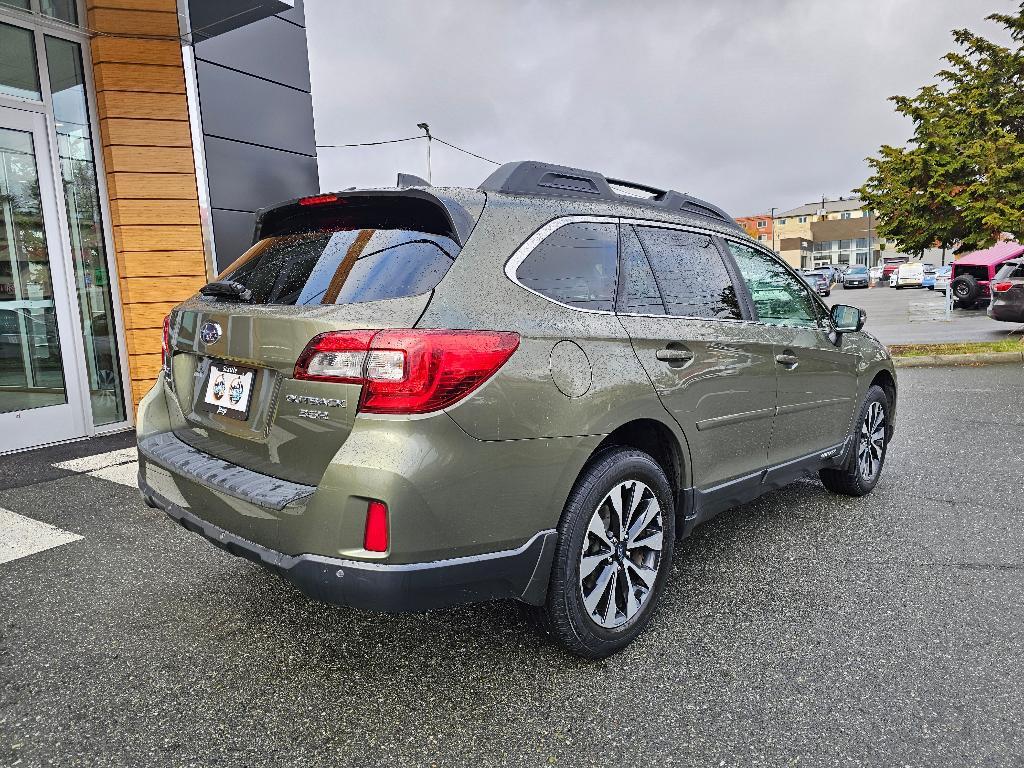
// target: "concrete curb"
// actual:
[[977, 358]]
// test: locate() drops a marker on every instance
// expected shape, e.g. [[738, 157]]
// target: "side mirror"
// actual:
[[847, 319]]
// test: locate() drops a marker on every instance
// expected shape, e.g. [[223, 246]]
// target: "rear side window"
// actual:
[[638, 291], [575, 265], [691, 273], [343, 266]]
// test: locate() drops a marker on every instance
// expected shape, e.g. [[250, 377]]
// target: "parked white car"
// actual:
[[876, 274], [942, 278], [910, 275]]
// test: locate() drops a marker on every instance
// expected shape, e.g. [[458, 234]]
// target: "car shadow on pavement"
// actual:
[[328, 640]]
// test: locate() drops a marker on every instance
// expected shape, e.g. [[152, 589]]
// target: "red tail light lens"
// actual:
[[407, 371], [1002, 287], [318, 199], [165, 343], [375, 539]]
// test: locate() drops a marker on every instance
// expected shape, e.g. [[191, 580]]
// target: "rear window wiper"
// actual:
[[227, 289]]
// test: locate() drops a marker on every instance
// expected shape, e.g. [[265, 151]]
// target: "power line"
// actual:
[[369, 143], [473, 154], [409, 138]]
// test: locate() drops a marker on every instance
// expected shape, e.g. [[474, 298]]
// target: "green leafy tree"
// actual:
[[960, 179]]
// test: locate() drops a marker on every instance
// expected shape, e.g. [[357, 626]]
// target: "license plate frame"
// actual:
[[227, 390]]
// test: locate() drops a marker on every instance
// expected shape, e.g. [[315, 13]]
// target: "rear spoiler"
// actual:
[[461, 208]]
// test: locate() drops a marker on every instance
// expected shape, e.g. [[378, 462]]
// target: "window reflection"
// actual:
[[18, 72], [64, 10], [31, 369], [81, 193]]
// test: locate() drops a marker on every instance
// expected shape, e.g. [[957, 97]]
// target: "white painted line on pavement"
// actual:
[[121, 466], [125, 474], [22, 536], [99, 461]]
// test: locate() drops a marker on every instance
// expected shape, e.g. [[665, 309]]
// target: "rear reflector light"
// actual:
[[375, 539], [1002, 287], [318, 199], [407, 371]]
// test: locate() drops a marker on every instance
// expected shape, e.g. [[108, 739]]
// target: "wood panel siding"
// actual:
[[150, 169], [155, 186]]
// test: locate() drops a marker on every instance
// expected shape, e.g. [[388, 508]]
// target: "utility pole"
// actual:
[[772, 214], [426, 129], [871, 251]]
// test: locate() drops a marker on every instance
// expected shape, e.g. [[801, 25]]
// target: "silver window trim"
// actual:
[[523, 251]]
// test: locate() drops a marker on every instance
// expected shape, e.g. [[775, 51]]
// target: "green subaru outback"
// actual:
[[403, 399]]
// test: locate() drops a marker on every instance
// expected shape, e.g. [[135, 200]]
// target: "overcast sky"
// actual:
[[750, 104]]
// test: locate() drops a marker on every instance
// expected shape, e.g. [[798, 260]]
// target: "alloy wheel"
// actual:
[[872, 442], [621, 554]]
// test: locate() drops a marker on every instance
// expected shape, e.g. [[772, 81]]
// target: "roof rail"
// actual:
[[532, 177]]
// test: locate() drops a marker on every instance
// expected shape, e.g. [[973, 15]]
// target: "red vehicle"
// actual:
[[890, 264], [972, 273]]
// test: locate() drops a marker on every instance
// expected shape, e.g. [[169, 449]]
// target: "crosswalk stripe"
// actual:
[[119, 466], [22, 536]]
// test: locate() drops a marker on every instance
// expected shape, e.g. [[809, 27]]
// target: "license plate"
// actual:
[[229, 390]]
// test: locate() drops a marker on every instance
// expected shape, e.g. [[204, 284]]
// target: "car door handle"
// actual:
[[674, 355], [787, 359]]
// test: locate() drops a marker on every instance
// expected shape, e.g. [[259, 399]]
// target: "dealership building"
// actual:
[[137, 140]]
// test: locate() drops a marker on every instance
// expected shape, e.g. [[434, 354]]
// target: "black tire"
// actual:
[[565, 617], [965, 290], [851, 479]]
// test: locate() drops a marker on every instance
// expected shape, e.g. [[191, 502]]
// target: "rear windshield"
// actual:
[[1011, 269], [343, 266]]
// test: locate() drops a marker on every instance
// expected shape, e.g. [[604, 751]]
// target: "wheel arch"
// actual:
[[661, 442]]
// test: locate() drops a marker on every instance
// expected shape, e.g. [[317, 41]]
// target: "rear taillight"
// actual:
[[407, 371], [1002, 287], [165, 344]]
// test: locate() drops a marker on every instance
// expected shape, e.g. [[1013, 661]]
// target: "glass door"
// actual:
[[40, 393]]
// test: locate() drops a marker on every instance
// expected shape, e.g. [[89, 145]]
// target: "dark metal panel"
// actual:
[[244, 177], [232, 233], [269, 48], [210, 18], [239, 106], [297, 15]]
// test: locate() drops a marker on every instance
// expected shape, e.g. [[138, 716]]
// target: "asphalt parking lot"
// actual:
[[802, 629], [918, 316]]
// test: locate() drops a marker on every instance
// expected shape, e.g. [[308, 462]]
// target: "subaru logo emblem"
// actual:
[[209, 333]]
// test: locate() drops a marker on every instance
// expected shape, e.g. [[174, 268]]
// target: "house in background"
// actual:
[[137, 140], [759, 226]]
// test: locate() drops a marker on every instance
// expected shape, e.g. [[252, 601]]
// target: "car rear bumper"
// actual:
[[520, 574], [1006, 312]]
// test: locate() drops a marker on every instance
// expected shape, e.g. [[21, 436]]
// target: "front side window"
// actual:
[[779, 297], [575, 265], [691, 273]]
